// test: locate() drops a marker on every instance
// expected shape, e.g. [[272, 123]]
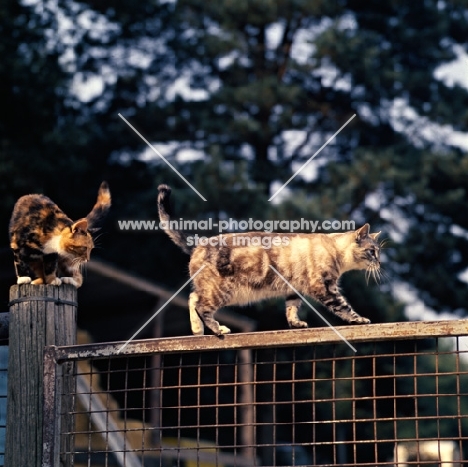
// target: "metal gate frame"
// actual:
[[57, 361]]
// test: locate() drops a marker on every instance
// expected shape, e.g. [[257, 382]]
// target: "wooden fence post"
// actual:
[[40, 315]]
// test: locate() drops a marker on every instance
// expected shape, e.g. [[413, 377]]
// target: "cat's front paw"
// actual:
[[360, 320], [353, 318], [56, 282], [70, 280], [23, 280]]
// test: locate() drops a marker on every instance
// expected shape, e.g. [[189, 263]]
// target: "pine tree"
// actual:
[[256, 88], [261, 85]]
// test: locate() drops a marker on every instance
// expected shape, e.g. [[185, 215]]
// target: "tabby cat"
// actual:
[[48, 247], [231, 273]]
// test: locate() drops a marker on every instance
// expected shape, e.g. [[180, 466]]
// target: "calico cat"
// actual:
[[48, 247], [231, 273]]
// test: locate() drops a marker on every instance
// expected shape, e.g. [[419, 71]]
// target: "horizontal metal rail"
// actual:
[[255, 340]]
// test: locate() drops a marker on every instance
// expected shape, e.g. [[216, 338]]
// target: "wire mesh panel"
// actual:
[[200, 401]]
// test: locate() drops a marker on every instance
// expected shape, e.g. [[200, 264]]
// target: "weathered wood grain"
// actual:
[[40, 315]]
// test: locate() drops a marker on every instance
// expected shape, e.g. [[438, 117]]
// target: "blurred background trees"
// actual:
[[238, 95]]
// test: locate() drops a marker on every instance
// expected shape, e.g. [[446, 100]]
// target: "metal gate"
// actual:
[[285, 398]]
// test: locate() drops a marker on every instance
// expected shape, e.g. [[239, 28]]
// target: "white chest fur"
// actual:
[[53, 245]]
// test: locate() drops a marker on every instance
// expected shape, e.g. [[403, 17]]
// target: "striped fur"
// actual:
[[238, 274]]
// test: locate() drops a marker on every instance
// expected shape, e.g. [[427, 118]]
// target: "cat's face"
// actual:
[[366, 251], [77, 242]]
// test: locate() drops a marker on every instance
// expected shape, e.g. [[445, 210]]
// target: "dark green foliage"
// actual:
[[270, 81]]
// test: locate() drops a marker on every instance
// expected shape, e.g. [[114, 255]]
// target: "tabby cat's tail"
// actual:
[[177, 236], [100, 209]]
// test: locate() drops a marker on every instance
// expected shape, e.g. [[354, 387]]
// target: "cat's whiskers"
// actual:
[[377, 273], [84, 269], [374, 271], [96, 240], [384, 275], [76, 264], [368, 273], [383, 244]]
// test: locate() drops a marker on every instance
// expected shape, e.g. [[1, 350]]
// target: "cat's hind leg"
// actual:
[[204, 309], [196, 322], [293, 303]]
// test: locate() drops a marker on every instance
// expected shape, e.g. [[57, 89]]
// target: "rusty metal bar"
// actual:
[[51, 411], [284, 395], [270, 339]]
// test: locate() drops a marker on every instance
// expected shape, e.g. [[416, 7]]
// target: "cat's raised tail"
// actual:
[[177, 236], [100, 209]]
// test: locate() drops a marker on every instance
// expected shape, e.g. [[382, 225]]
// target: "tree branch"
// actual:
[[285, 46]]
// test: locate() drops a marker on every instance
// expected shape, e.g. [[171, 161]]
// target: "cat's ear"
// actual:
[[375, 235], [362, 233], [80, 226]]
